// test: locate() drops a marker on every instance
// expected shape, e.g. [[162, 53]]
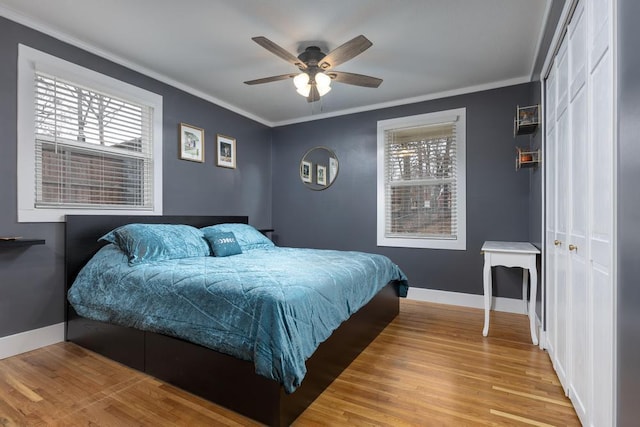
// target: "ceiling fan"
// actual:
[[316, 67]]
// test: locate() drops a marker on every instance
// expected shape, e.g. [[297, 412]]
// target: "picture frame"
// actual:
[[191, 143], [321, 175], [225, 151], [305, 171]]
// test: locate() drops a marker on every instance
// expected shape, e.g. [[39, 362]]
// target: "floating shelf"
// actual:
[[527, 120], [16, 242], [525, 159]]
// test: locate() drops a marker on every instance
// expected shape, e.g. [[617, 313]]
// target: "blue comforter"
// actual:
[[270, 306]]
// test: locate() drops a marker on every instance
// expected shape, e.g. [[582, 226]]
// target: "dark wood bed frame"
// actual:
[[218, 377]]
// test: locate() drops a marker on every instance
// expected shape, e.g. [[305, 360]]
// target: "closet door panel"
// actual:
[[550, 212], [578, 250], [602, 214], [561, 293], [578, 282]]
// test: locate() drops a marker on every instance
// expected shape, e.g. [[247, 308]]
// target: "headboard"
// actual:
[[83, 231]]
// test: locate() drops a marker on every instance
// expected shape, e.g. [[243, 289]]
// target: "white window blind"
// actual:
[[421, 181], [420, 176], [93, 149]]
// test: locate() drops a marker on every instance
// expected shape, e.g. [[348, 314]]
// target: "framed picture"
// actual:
[[321, 175], [226, 151], [305, 171], [191, 143]]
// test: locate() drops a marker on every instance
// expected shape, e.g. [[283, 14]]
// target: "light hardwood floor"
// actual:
[[430, 367]]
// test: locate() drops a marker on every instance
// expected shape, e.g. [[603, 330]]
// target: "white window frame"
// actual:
[[460, 242], [28, 60]]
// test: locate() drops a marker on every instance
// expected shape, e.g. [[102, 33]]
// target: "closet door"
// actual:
[[579, 219], [578, 285], [561, 356], [551, 171], [600, 267]]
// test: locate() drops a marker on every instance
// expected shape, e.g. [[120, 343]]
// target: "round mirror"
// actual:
[[319, 168]]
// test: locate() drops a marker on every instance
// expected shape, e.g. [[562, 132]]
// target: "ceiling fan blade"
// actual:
[[354, 79], [270, 79], [314, 95], [345, 52], [279, 51]]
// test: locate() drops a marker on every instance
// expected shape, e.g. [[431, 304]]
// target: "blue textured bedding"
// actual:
[[271, 306]]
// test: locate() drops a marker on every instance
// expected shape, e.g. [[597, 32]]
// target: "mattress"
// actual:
[[272, 306]]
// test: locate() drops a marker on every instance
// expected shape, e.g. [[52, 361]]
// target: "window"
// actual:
[[421, 181], [87, 143]]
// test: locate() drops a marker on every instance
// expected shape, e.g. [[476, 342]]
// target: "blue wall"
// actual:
[[344, 215], [32, 279], [267, 188]]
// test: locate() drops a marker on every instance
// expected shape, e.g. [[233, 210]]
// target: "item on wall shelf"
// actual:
[[321, 157], [527, 120], [527, 158], [191, 143], [225, 151]]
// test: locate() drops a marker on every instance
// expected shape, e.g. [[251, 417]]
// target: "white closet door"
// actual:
[[551, 170], [562, 200], [578, 250], [579, 218], [601, 119]]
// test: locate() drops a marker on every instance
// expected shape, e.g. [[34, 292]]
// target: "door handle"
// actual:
[[573, 248], [557, 242]]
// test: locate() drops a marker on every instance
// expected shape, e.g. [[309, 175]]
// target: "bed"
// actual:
[[231, 380]]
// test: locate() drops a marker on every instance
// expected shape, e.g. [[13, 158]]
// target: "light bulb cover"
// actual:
[[304, 90], [322, 80], [323, 90], [301, 80]]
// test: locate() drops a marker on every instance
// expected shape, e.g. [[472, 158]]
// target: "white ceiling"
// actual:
[[422, 49]]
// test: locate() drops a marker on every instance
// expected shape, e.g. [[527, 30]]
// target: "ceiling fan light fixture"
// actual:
[[304, 91], [301, 80], [323, 90], [323, 83]]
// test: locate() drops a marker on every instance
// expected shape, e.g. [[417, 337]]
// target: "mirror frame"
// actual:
[[313, 186]]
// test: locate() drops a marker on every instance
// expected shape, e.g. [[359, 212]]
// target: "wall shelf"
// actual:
[[526, 159], [527, 120], [17, 242]]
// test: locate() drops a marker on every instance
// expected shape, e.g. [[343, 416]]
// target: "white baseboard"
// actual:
[[31, 340], [509, 305]]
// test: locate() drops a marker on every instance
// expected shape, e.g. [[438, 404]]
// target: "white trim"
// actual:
[[459, 116], [28, 60], [542, 278], [31, 340], [614, 200], [557, 37], [39, 26], [547, 11], [507, 305], [406, 101], [43, 28]]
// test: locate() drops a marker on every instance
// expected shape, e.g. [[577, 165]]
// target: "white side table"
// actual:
[[512, 254]]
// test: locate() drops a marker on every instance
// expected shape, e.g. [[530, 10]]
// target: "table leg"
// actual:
[[487, 293], [532, 305], [525, 289]]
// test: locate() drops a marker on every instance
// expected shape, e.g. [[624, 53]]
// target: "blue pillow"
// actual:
[[156, 242], [248, 237], [223, 243]]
